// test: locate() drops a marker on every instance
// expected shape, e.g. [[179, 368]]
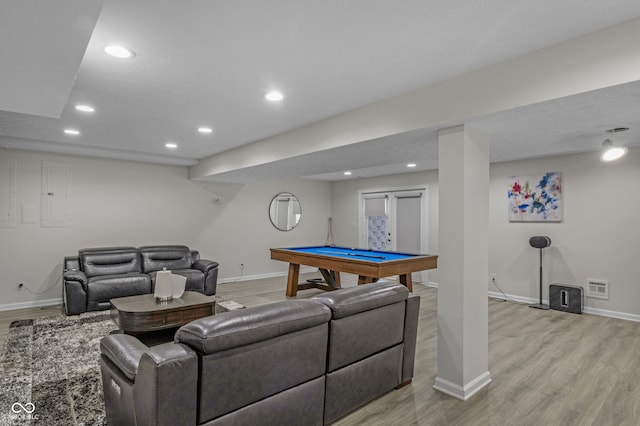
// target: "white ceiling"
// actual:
[[210, 63]]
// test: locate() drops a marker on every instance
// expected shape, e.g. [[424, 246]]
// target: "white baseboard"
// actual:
[[462, 392], [514, 298], [31, 304], [611, 314], [585, 309]]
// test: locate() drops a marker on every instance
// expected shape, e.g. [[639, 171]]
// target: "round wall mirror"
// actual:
[[285, 211]]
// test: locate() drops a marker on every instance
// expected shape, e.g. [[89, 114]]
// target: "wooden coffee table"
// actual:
[[141, 314]]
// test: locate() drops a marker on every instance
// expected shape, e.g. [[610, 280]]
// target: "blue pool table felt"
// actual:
[[353, 253]]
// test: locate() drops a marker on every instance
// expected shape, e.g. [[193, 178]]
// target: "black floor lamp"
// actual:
[[540, 243]]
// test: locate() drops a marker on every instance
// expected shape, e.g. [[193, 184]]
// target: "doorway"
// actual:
[[395, 219]]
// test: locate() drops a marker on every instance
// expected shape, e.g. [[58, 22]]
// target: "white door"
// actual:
[[408, 209], [376, 227], [395, 220]]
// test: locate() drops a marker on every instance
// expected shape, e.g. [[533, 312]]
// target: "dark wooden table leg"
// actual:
[[336, 277], [366, 280], [332, 278], [405, 279], [292, 280]]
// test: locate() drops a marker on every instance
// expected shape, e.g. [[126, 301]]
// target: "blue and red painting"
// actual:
[[535, 198]]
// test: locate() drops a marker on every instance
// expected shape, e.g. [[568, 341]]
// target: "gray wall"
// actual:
[[128, 203], [120, 202], [597, 239]]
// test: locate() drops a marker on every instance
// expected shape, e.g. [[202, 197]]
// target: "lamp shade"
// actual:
[[178, 284], [164, 285]]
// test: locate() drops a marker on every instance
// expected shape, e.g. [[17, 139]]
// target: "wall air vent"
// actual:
[[598, 289]]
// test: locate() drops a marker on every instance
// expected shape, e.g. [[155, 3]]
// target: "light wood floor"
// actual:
[[547, 367]]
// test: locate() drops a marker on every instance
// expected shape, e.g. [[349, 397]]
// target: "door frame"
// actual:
[[424, 218]]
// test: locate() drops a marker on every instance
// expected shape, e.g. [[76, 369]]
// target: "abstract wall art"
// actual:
[[535, 198]]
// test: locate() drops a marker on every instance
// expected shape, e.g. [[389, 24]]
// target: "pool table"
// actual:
[[369, 265]]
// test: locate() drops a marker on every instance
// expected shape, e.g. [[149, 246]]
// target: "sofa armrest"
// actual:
[[74, 288], [210, 270], [124, 352], [162, 382], [204, 265], [75, 275], [412, 312], [165, 392]]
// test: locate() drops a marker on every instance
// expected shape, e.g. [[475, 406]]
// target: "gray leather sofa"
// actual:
[[295, 362], [96, 275]]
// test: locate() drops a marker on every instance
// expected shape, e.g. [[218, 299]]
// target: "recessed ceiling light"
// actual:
[[347, 173], [274, 96], [171, 145], [72, 132], [205, 129], [85, 108], [119, 51], [411, 165]]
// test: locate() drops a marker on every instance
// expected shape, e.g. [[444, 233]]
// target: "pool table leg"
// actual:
[[336, 277], [366, 280], [331, 278], [292, 280], [405, 279]]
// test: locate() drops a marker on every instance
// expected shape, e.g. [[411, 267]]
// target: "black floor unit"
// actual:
[[568, 298]]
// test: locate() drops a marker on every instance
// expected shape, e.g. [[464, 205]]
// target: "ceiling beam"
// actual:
[[594, 61]]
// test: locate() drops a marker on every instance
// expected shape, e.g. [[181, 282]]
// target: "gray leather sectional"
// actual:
[[96, 275], [295, 362]]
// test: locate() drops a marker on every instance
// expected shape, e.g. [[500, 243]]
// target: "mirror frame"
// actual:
[[292, 219]]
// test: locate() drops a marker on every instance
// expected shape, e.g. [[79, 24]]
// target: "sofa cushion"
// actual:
[[109, 261], [195, 279], [254, 353], [352, 338], [358, 383], [154, 258], [245, 326], [353, 300], [301, 405], [101, 289], [240, 376]]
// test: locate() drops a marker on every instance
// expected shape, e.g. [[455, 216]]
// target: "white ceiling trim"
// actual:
[[93, 151]]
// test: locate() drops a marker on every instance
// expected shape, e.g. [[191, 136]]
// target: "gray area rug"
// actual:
[[50, 369]]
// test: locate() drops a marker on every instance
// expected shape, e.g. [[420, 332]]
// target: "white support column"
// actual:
[[463, 262]]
